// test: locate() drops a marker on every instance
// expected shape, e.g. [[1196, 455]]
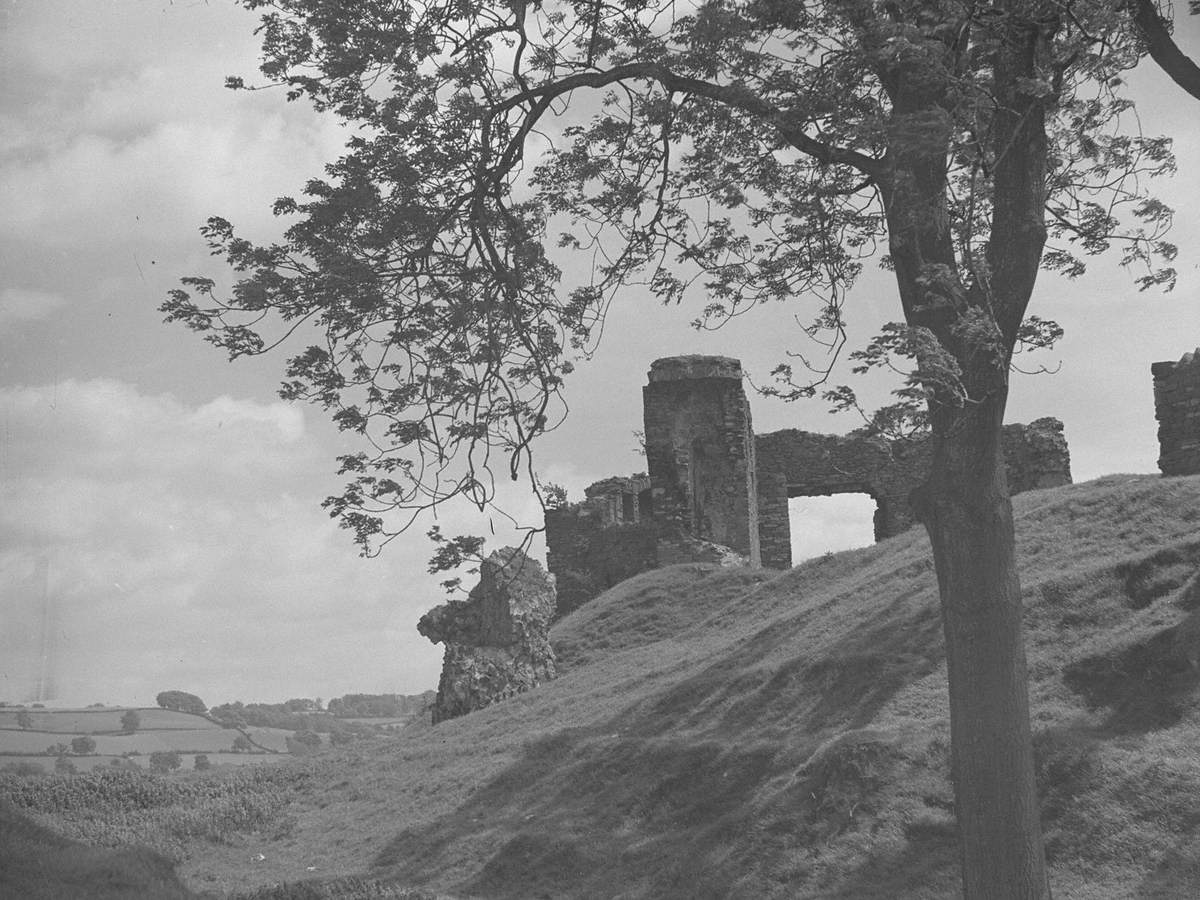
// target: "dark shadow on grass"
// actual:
[[38, 864], [1147, 684], [1147, 578], [926, 868], [843, 687], [583, 811], [1176, 876]]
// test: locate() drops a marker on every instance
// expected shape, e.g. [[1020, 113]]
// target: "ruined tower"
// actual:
[[700, 451], [1177, 408]]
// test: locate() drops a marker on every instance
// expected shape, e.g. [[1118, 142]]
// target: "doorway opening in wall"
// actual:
[[829, 524]]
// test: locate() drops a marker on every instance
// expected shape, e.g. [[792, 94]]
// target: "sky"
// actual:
[[160, 520]]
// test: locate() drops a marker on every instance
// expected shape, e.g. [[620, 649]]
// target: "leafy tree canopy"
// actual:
[[750, 150], [758, 150], [242, 743]]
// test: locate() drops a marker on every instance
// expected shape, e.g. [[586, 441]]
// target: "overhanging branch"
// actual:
[[735, 96], [1162, 47]]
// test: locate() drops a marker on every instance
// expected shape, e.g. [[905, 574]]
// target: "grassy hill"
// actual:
[[738, 733]]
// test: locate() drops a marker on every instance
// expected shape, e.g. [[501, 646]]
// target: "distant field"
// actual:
[[99, 721], [160, 729], [367, 720], [271, 738]]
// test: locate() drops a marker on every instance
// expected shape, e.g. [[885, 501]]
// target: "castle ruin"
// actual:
[[497, 642], [713, 484], [1177, 409]]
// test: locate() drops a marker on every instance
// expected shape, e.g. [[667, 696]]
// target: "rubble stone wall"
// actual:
[[497, 640], [802, 464], [1177, 408]]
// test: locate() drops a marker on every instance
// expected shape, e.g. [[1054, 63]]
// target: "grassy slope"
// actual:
[[731, 733]]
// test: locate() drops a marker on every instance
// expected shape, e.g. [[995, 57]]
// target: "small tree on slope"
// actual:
[[760, 148]]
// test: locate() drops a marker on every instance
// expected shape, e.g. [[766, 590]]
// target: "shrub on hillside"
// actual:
[[165, 760], [304, 742], [131, 721], [24, 719], [83, 745], [64, 766], [201, 763]]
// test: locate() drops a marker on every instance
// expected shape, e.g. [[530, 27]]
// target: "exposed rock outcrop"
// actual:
[[497, 640]]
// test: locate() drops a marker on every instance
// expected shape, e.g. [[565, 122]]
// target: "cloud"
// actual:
[[23, 304], [184, 547], [125, 132]]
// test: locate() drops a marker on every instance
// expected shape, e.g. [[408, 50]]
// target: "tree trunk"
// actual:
[[965, 508]]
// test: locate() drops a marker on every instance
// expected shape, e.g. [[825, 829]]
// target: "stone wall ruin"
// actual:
[[497, 640], [1177, 408], [700, 451], [713, 484], [802, 464]]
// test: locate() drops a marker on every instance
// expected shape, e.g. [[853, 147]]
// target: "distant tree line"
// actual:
[[379, 706], [302, 714], [290, 715]]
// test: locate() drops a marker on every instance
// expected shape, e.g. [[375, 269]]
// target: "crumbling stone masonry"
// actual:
[[497, 640], [601, 541], [802, 464], [1177, 408], [700, 451], [712, 483]]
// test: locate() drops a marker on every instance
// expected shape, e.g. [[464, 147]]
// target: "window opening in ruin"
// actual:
[[830, 524], [628, 508]]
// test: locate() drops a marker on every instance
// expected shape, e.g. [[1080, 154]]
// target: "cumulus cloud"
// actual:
[[103, 146], [183, 546]]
